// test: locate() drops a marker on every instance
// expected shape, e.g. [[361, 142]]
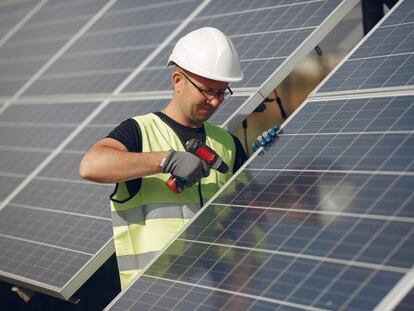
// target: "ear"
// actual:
[[176, 80]]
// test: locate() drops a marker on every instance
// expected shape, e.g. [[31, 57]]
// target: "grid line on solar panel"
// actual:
[[66, 196], [53, 12], [65, 167], [5, 27], [47, 178], [16, 88], [74, 232], [345, 152], [407, 303], [383, 59], [116, 112], [31, 241], [47, 32], [357, 74], [141, 16], [8, 183], [36, 208], [335, 192], [306, 238], [265, 20], [213, 298], [354, 115], [13, 7], [333, 171], [24, 148], [258, 270], [325, 212], [352, 262], [102, 73], [46, 25], [33, 136], [7, 174], [88, 136], [278, 277], [386, 41], [14, 259], [285, 9], [20, 162]]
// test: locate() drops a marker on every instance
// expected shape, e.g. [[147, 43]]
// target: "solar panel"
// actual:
[[11, 15], [385, 60], [320, 220], [39, 38], [112, 48], [407, 303], [73, 70]]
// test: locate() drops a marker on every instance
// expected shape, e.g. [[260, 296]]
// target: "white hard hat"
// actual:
[[209, 53]]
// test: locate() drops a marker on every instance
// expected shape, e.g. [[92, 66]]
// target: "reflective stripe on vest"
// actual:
[[144, 223], [153, 211]]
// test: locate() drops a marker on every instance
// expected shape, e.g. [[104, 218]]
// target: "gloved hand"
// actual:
[[266, 138], [186, 166]]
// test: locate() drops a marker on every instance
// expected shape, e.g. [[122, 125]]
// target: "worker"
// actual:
[[143, 152]]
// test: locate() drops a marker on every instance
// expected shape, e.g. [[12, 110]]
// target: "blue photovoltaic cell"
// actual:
[[407, 303], [48, 265], [116, 112], [266, 278], [62, 113], [31, 131], [66, 196], [39, 39], [46, 136], [21, 162], [184, 297], [11, 14], [385, 59], [370, 152], [354, 115], [75, 232], [112, 48], [87, 137], [8, 184], [264, 35]]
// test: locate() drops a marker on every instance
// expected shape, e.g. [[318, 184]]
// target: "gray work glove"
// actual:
[[186, 166]]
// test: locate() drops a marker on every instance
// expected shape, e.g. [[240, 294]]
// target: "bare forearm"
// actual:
[[108, 165]]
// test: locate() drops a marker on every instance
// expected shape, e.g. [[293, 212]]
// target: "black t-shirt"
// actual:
[[129, 134]]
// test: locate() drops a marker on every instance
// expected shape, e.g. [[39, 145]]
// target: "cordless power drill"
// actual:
[[205, 153]]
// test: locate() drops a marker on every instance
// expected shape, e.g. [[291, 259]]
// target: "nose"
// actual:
[[215, 101]]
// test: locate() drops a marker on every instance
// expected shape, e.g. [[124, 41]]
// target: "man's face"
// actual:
[[200, 97]]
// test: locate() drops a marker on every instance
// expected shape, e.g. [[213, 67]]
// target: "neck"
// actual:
[[172, 110]]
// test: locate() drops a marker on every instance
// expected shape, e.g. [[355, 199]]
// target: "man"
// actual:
[[143, 152]]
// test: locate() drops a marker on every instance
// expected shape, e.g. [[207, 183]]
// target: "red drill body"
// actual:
[[205, 153]]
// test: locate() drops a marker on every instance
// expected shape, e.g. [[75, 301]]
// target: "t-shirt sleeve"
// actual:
[[241, 155], [128, 134]]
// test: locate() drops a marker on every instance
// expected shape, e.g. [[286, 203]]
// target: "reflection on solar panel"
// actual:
[[72, 70], [321, 220]]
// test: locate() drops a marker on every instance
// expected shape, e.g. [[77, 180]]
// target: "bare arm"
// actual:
[[109, 161]]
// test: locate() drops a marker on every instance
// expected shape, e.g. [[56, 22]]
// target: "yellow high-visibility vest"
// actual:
[[144, 223]]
